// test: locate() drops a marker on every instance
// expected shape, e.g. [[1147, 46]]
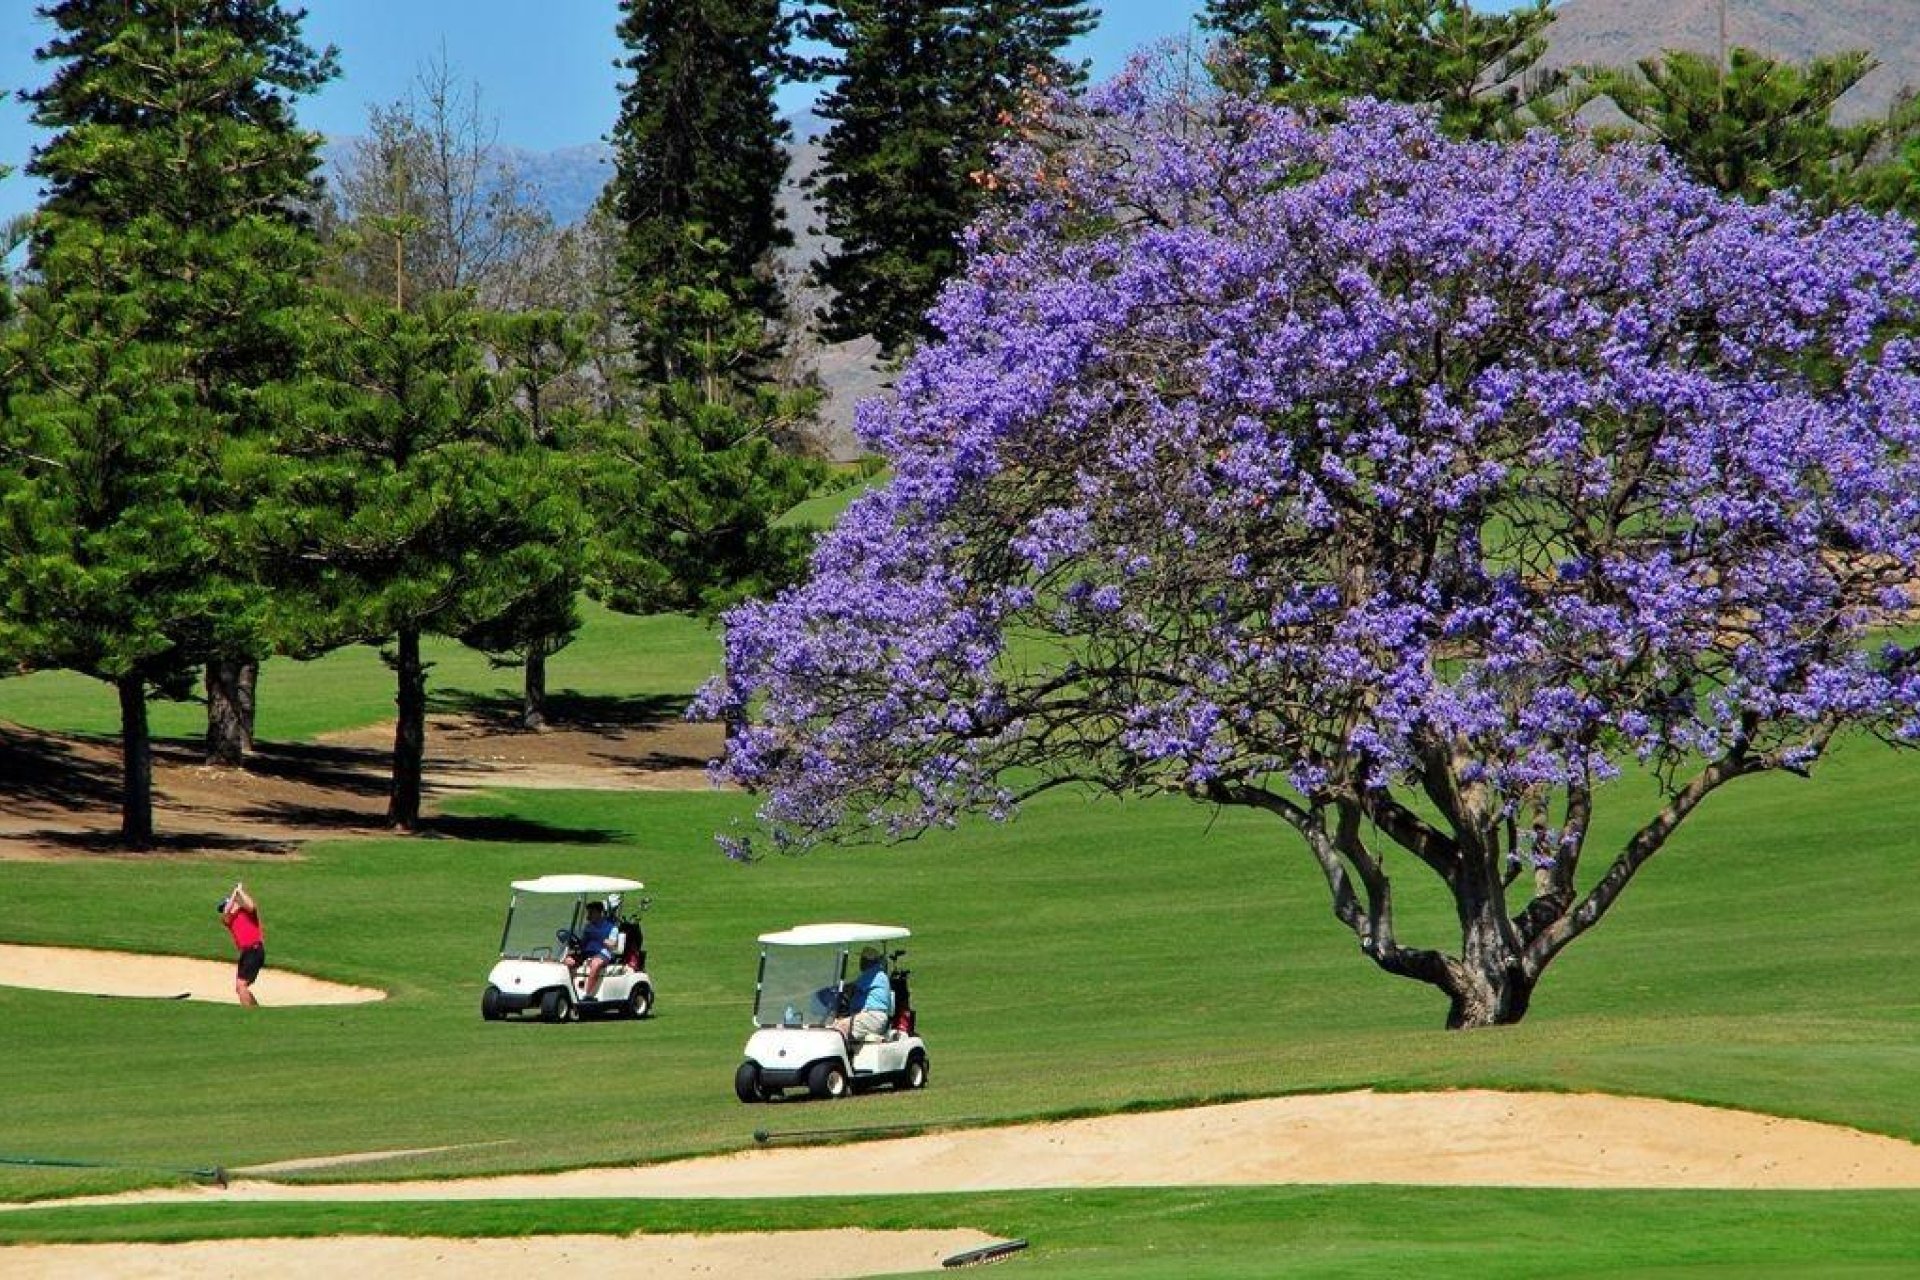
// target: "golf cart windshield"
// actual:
[[545, 912], [798, 985], [535, 922]]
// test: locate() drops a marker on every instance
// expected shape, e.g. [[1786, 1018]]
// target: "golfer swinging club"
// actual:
[[241, 915]]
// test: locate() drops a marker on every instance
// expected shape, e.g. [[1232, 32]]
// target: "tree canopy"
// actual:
[[1405, 489], [169, 263], [1478, 69], [1753, 126], [922, 92], [699, 154]]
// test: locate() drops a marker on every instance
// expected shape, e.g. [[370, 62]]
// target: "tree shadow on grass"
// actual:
[[172, 841], [568, 709], [360, 771], [43, 770], [69, 788], [506, 830]]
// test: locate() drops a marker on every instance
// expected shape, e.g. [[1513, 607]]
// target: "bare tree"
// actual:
[[429, 203]]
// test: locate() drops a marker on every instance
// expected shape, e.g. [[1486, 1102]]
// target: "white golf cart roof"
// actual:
[[578, 884], [820, 935]]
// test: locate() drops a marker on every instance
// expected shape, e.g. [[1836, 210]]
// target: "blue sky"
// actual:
[[543, 67]]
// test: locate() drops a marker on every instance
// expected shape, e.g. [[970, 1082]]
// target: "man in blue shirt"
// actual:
[[594, 944], [870, 1000]]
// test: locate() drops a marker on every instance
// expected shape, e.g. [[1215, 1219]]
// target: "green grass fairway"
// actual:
[[1090, 956], [1361, 1233]]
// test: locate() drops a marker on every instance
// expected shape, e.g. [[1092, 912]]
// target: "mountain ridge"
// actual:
[[1621, 32]]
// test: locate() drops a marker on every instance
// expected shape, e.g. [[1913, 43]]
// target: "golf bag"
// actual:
[[903, 1017]]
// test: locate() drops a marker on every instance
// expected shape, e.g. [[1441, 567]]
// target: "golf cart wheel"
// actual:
[[640, 1001], [556, 1006], [827, 1080], [490, 1004], [746, 1083], [916, 1076]]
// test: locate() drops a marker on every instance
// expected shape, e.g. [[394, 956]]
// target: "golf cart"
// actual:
[[804, 985], [545, 921]]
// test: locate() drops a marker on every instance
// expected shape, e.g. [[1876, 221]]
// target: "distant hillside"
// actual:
[[849, 372], [569, 180], [1621, 32]]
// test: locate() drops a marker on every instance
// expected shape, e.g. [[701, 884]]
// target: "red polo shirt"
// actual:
[[244, 925]]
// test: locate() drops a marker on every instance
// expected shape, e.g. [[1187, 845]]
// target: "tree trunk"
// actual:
[[409, 732], [136, 765], [1487, 986], [533, 706], [230, 690]]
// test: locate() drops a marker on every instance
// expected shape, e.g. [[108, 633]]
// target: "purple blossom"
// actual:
[[1350, 454]]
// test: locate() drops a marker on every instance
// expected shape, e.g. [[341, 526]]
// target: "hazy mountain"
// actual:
[[1621, 32], [849, 372], [569, 180]]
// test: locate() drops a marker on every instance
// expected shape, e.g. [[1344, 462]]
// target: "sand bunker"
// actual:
[[1467, 1138], [124, 974], [801, 1255]]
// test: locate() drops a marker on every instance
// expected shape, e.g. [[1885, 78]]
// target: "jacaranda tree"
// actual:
[[1405, 489]]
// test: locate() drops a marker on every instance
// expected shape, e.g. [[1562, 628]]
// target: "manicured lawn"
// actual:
[[1089, 956], [638, 663], [1357, 1232]]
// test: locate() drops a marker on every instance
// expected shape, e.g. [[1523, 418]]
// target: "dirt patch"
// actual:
[[62, 792], [801, 1255], [128, 976]]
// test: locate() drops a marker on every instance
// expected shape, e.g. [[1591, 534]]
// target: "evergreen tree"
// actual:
[[538, 357], [922, 93], [169, 260], [421, 506], [1890, 178], [105, 560], [689, 479], [1478, 69], [1753, 126], [699, 154], [687, 494], [688, 499]]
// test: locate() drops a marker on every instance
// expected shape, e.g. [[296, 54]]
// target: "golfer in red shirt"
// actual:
[[241, 915]]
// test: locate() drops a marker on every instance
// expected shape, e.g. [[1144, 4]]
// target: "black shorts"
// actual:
[[252, 960]]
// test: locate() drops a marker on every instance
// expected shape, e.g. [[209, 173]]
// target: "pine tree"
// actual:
[[1479, 69], [922, 93], [169, 261], [423, 506], [538, 357], [687, 493], [1753, 126], [690, 476], [688, 496], [699, 154]]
